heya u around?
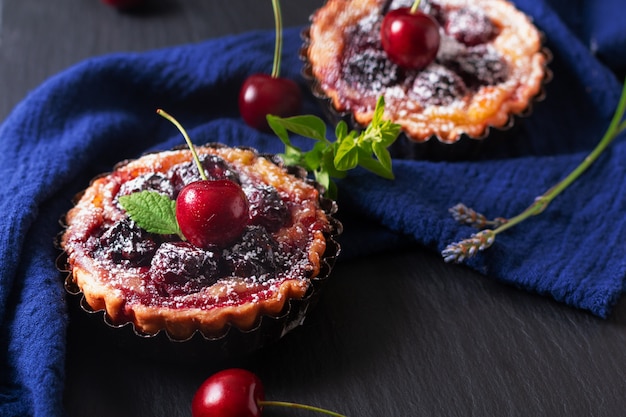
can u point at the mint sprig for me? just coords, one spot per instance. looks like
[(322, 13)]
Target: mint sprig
[(152, 211), (326, 159)]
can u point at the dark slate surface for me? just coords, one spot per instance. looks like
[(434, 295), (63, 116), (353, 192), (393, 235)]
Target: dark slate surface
[(399, 334)]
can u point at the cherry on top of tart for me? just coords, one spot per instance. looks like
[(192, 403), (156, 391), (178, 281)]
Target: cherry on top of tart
[(410, 37)]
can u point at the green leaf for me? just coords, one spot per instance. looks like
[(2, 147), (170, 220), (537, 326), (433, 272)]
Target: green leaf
[(328, 162), (341, 130), (389, 133), (308, 126), (293, 156), (347, 154), (368, 162), (383, 155), (377, 118), (313, 158), (152, 211), (323, 178), (279, 129)]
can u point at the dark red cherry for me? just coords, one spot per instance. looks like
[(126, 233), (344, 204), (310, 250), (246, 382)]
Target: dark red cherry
[(236, 392), (229, 393), (212, 213), (410, 39), (263, 94)]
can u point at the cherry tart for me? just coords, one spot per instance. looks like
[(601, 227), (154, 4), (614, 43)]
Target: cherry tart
[(489, 65), (161, 282)]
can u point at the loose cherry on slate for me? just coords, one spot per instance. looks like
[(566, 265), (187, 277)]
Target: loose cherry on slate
[(410, 37), (263, 94), (209, 212), (237, 393)]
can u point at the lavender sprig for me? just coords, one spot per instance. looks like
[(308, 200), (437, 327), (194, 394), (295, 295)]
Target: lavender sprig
[(466, 248), (469, 247), (465, 215)]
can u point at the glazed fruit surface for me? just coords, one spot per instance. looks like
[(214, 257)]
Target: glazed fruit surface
[(489, 65), (129, 271)]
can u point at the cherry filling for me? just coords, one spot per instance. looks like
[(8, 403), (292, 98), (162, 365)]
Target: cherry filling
[(179, 268), (215, 168), (365, 64), (153, 182), (169, 267), (267, 209), (465, 61), (437, 85), (470, 26), (128, 244), (255, 255)]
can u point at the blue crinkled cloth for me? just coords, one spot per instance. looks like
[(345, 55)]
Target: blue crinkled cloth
[(83, 120)]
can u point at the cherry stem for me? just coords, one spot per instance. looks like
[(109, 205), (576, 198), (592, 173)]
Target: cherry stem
[(300, 406), (415, 6), (164, 114), (278, 44)]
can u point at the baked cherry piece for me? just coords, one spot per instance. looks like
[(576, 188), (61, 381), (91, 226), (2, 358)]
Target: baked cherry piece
[(470, 26), (263, 94), (410, 38), (179, 268), (212, 213), (237, 393)]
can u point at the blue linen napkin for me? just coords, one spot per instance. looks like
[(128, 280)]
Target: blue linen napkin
[(80, 122)]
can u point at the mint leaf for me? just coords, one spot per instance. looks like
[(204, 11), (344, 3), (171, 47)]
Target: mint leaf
[(383, 155), (308, 126), (371, 164), (389, 132), (314, 158), (377, 118), (323, 178), (293, 156), (341, 130), (277, 125), (347, 154), (152, 211)]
